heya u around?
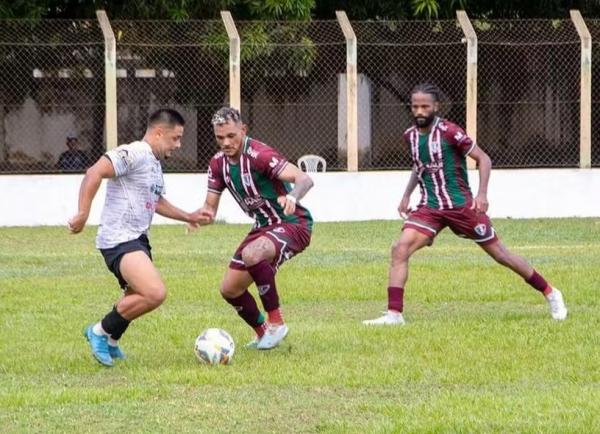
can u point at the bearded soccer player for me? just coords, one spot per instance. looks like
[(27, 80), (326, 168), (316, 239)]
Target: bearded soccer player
[(259, 178), (439, 149), (134, 192)]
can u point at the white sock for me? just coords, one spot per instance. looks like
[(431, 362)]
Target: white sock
[(98, 330), (112, 342)]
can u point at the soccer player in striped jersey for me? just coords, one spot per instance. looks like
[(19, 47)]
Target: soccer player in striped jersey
[(439, 149), (259, 178)]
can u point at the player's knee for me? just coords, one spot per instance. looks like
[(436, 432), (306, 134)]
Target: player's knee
[(228, 292), (156, 296), (400, 251)]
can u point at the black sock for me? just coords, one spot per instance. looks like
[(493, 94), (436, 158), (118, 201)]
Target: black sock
[(114, 324)]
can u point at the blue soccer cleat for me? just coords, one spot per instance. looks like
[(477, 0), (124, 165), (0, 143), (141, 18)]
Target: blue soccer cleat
[(116, 353), (99, 346)]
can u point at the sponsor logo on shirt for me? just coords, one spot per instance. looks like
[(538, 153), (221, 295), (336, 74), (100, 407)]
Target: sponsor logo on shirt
[(434, 166), (157, 189), (252, 152), (211, 178), (274, 162), (253, 203), (123, 154)]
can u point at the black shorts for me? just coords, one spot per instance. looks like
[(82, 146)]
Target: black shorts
[(113, 256)]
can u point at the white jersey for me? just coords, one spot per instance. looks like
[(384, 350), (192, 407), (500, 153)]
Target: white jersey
[(131, 196)]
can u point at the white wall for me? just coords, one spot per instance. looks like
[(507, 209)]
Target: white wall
[(31, 200)]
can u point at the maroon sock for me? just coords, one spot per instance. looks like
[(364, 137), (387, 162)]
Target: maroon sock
[(264, 277), (395, 298), (538, 282), (246, 308)]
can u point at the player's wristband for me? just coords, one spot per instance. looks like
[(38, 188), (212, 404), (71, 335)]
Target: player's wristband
[(290, 198)]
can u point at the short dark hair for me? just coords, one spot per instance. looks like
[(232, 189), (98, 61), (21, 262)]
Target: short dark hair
[(166, 116), (430, 89), (226, 114)]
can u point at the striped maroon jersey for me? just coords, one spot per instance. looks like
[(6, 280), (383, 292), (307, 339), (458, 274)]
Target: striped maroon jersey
[(440, 160), (254, 185)]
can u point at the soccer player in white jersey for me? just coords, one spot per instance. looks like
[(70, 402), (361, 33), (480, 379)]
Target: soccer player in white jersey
[(134, 191)]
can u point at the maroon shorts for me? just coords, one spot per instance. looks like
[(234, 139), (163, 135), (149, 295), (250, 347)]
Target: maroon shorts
[(464, 222), (289, 240)]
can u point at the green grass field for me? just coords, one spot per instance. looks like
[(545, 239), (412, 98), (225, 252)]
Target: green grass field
[(480, 352)]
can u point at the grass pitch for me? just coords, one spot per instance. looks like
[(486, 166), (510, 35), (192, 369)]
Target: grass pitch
[(480, 352)]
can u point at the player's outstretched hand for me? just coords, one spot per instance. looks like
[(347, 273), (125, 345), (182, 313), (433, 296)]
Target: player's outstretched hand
[(480, 203), (201, 217), (77, 222), (288, 203)]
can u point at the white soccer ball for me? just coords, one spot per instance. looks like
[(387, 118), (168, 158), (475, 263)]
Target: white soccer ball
[(214, 347)]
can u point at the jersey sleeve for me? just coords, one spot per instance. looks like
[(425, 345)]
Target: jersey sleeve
[(457, 137), (270, 162), (216, 183), (123, 159)]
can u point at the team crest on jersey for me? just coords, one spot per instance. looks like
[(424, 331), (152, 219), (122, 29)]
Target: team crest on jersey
[(247, 179), (480, 229)]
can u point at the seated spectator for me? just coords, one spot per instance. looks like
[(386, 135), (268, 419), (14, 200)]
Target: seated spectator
[(74, 159)]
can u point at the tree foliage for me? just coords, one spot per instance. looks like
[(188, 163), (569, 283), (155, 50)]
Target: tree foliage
[(295, 9)]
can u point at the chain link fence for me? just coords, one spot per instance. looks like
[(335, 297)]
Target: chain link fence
[(51, 88), (393, 57), (594, 28), (181, 65), (293, 94), (528, 92), (290, 86)]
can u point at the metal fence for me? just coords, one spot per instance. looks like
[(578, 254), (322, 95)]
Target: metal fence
[(393, 56), (182, 65), (51, 87), (594, 27), (293, 88), (290, 80), (528, 101)]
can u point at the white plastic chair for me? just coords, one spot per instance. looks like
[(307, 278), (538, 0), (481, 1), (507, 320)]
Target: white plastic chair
[(310, 163)]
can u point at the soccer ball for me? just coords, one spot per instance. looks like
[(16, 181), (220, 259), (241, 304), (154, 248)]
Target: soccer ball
[(214, 346)]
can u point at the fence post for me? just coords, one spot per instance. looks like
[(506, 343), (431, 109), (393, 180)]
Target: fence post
[(471, 38), (351, 91), (110, 79), (585, 105), (234, 61)]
